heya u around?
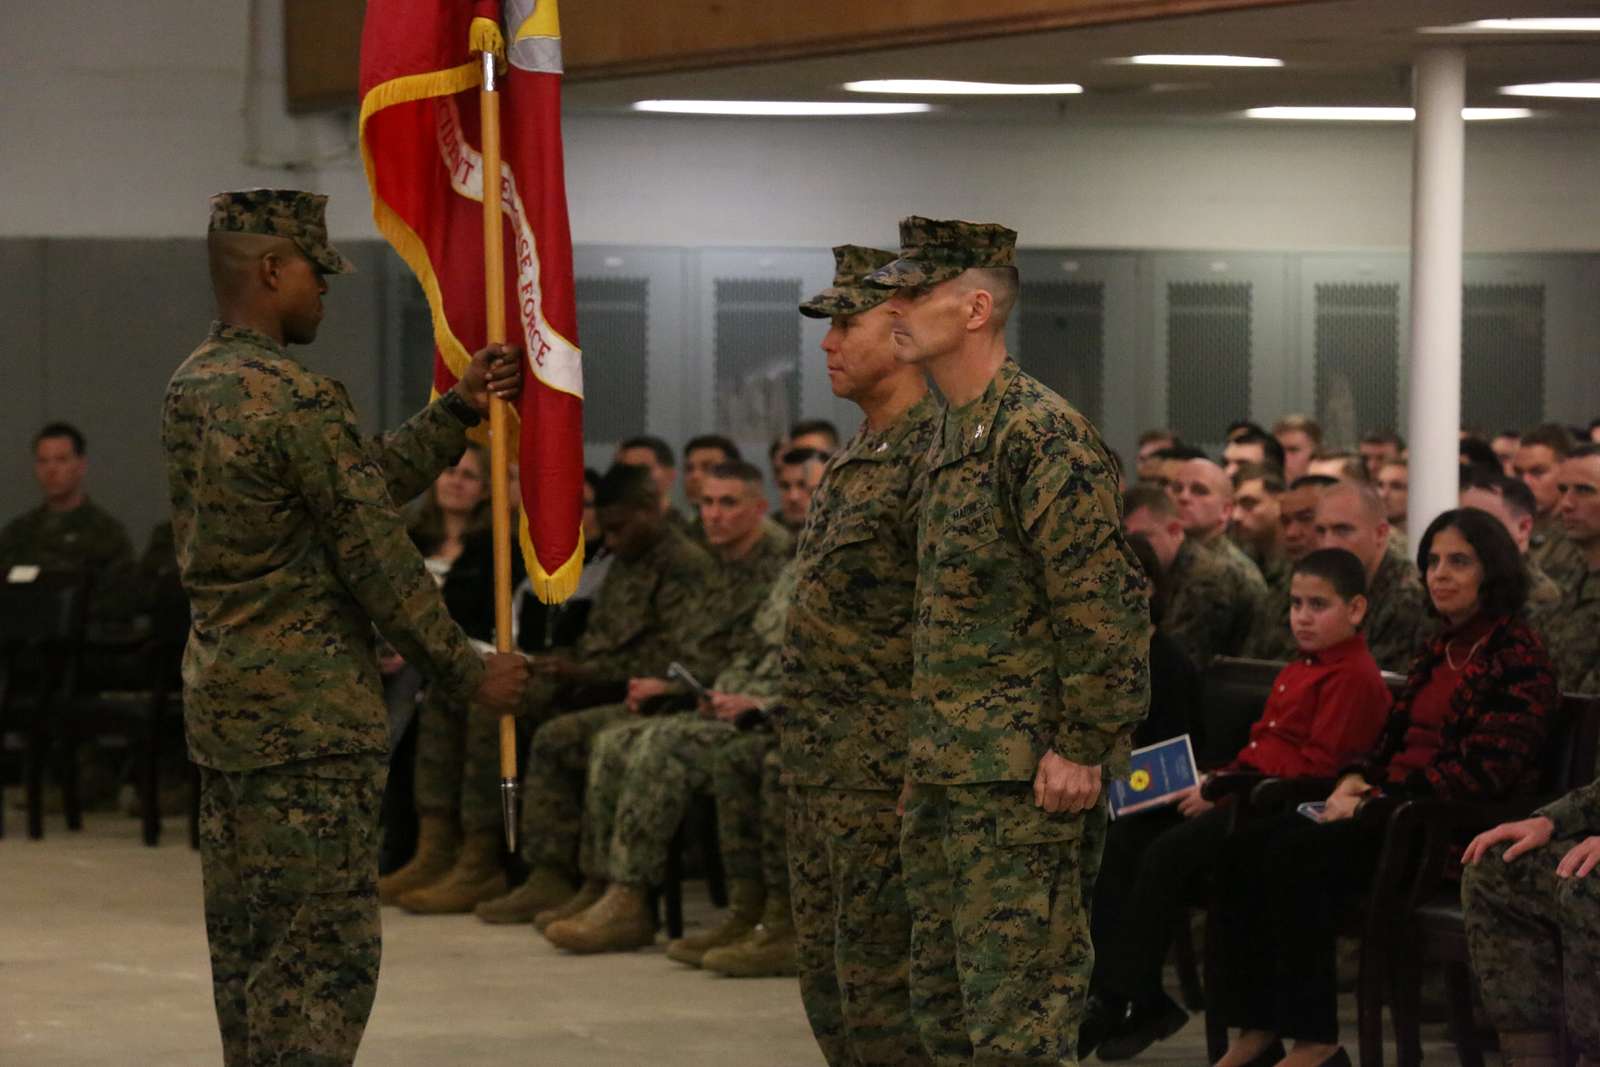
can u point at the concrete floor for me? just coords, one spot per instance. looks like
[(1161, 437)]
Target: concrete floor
[(103, 961)]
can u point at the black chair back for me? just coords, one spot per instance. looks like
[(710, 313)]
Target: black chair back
[(51, 607), (1234, 691)]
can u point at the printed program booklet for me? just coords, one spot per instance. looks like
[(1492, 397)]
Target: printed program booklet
[(1160, 773)]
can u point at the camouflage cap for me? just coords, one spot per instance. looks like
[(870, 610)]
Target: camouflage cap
[(281, 213), (936, 250), (850, 294)]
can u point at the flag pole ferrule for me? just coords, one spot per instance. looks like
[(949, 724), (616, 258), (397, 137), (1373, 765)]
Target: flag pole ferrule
[(508, 811), (489, 85)]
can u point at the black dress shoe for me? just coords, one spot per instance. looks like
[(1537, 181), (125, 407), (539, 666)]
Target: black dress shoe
[(1146, 1024), (1101, 1018)]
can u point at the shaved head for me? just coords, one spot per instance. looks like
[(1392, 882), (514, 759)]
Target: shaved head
[(234, 258), (1371, 503)]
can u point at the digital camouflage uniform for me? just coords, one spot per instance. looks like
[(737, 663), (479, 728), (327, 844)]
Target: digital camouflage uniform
[(87, 539), (847, 693), (1572, 635), (643, 772), (639, 607), (1031, 635), (707, 633), (290, 549), (1554, 552), (1535, 936), (1544, 599), (1216, 598), (1397, 623)]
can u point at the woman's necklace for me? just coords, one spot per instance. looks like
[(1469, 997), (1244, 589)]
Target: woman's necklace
[(1448, 658)]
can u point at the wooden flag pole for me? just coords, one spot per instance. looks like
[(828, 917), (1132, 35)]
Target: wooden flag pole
[(494, 294)]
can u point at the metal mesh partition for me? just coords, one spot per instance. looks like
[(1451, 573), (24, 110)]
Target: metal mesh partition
[(1357, 359), (1502, 356), (613, 328), (757, 356), (1063, 341), (1208, 357)]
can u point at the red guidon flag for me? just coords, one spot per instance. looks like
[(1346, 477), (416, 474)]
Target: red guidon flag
[(420, 141)]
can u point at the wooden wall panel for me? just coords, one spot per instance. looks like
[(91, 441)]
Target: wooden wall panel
[(613, 38), (610, 38)]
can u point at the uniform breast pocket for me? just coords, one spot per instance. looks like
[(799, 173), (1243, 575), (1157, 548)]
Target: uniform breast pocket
[(856, 532)]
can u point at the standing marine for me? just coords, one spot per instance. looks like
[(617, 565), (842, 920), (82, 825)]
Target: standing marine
[(291, 551)]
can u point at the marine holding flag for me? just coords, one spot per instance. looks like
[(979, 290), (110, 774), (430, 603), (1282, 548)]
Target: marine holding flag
[(422, 145)]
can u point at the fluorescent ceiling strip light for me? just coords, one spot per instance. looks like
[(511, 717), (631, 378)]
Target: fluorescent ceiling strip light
[(783, 108), (1201, 61), (1565, 90), (1377, 114), (942, 87), (1532, 25)]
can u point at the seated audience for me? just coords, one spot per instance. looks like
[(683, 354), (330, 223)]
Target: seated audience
[(818, 434), (799, 474), (1300, 436), (1325, 709), (1474, 451), (1469, 725), (68, 531), (1394, 489), (1255, 527), (700, 455), (1594, 431), (1345, 466), (1378, 448), (1252, 446), (1350, 516), (1214, 597), (1532, 913), (1504, 445), (1148, 466), (655, 456), (1508, 500), (1270, 636), (1538, 458), (1168, 463), (1573, 630), (1242, 428)]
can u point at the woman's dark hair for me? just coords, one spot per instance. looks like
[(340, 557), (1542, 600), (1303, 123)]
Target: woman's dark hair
[(427, 527), (1505, 577), (1152, 568)]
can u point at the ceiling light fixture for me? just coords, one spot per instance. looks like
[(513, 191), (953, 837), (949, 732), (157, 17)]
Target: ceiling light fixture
[(1532, 25), (1378, 114), (779, 108), (1564, 90), (1200, 61), (942, 87)]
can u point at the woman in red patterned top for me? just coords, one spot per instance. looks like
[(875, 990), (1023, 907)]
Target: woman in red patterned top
[(1469, 725)]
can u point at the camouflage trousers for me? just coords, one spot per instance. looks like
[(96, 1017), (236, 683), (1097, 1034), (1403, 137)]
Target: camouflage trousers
[(1000, 948), (458, 757), (641, 778), (289, 859), (1535, 943), (746, 775), (553, 785), (853, 926)]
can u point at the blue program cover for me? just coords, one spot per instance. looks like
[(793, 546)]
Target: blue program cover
[(1160, 772)]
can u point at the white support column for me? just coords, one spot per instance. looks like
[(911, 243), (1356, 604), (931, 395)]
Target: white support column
[(1439, 91)]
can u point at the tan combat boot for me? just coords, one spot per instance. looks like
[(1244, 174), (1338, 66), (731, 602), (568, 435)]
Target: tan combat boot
[(591, 891), (621, 919), (438, 843), (545, 888), (768, 952), (745, 897), (1531, 1049), (477, 875)]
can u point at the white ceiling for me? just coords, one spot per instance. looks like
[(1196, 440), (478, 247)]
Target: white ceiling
[(1338, 52)]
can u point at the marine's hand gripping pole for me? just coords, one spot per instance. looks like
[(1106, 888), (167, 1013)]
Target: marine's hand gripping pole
[(494, 295)]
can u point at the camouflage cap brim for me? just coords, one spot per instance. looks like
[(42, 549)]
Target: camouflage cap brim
[(910, 273), (329, 260), (844, 300)]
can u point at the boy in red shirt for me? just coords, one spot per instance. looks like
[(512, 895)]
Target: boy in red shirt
[(1326, 708)]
